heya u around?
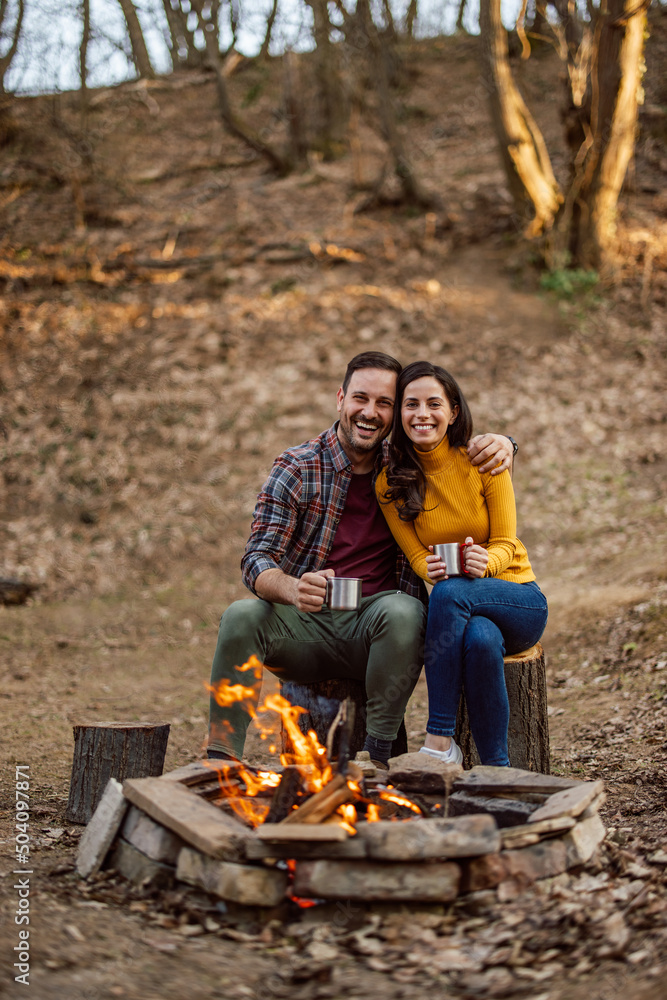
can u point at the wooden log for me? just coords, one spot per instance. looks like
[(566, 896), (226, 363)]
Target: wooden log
[(104, 750), (322, 701), (528, 734)]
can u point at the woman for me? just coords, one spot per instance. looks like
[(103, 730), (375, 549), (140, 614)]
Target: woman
[(430, 493)]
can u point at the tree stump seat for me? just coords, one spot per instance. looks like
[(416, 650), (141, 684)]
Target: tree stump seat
[(322, 701), (528, 734), (104, 750)]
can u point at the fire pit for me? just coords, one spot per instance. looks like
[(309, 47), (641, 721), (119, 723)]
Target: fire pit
[(321, 828)]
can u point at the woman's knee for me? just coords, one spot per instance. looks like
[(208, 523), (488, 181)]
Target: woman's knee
[(482, 635)]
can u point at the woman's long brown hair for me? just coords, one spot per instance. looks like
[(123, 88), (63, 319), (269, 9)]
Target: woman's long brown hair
[(406, 483)]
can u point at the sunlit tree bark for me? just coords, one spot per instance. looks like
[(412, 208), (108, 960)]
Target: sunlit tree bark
[(601, 162), (604, 60), (523, 150)]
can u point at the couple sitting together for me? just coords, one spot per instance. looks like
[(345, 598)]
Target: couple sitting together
[(348, 503)]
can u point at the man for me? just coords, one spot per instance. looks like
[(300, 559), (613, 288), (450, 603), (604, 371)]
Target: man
[(317, 516)]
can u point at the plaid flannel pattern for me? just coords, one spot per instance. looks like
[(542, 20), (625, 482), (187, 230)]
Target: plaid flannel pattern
[(298, 510)]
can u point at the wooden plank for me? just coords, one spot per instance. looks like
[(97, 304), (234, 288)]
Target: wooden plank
[(486, 780), (281, 832), (194, 819), (98, 836), (569, 801)]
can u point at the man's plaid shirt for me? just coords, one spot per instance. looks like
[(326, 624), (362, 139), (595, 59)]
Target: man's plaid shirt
[(298, 510)]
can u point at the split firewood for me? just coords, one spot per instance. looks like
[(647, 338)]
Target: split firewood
[(323, 803), (285, 795)]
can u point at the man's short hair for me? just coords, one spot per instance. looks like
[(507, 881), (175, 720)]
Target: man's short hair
[(371, 359)]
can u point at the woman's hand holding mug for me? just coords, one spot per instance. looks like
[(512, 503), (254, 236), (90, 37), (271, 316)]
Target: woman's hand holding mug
[(475, 558)]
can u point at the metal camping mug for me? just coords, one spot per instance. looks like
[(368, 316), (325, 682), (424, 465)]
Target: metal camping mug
[(343, 593), (451, 554)]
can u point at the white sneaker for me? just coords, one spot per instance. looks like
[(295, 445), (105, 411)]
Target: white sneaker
[(451, 756)]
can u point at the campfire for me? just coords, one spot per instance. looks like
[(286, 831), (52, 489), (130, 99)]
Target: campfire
[(324, 826), (313, 787)]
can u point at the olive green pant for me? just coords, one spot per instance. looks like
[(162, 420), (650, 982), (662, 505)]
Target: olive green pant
[(381, 643)]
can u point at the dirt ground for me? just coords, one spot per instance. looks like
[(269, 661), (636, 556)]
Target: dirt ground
[(154, 362)]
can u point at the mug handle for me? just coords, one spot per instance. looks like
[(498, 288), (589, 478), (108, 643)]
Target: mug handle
[(462, 547)]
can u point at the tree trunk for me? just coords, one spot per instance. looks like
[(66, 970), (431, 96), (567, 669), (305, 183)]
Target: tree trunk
[(264, 51), (6, 60), (83, 54), (328, 79), (322, 702), (413, 191), (410, 18), (459, 17), (111, 750), (526, 160), (231, 122), (183, 50), (140, 55), (528, 734), (601, 161), (294, 108)]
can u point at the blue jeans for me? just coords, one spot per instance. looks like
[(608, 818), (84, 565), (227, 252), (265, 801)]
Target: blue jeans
[(472, 624)]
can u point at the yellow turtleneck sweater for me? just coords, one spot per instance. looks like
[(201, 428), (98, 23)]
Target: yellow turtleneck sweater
[(460, 502)]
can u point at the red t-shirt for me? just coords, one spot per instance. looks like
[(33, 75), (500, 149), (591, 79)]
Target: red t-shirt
[(363, 545)]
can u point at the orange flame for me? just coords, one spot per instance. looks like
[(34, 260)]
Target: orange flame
[(400, 800)]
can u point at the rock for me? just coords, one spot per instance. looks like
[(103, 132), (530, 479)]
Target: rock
[(569, 801), (151, 838), (139, 869), (482, 873), (413, 840), (418, 772), (101, 830), (506, 812), (252, 886), (419, 881), (486, 780), (581, 841)]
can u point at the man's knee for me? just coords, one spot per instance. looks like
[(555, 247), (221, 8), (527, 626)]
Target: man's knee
[(402, 617), (243, 618)]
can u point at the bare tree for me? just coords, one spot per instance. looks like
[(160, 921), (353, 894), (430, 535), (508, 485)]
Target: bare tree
[(604, 62), (330, 90), (410, 18), (182, 46), (83, 52), (140, 55), (14, 32), (264, 51), (276, 160)]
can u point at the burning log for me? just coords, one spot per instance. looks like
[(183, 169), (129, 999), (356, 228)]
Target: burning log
[(321, 805), (285, 795)]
